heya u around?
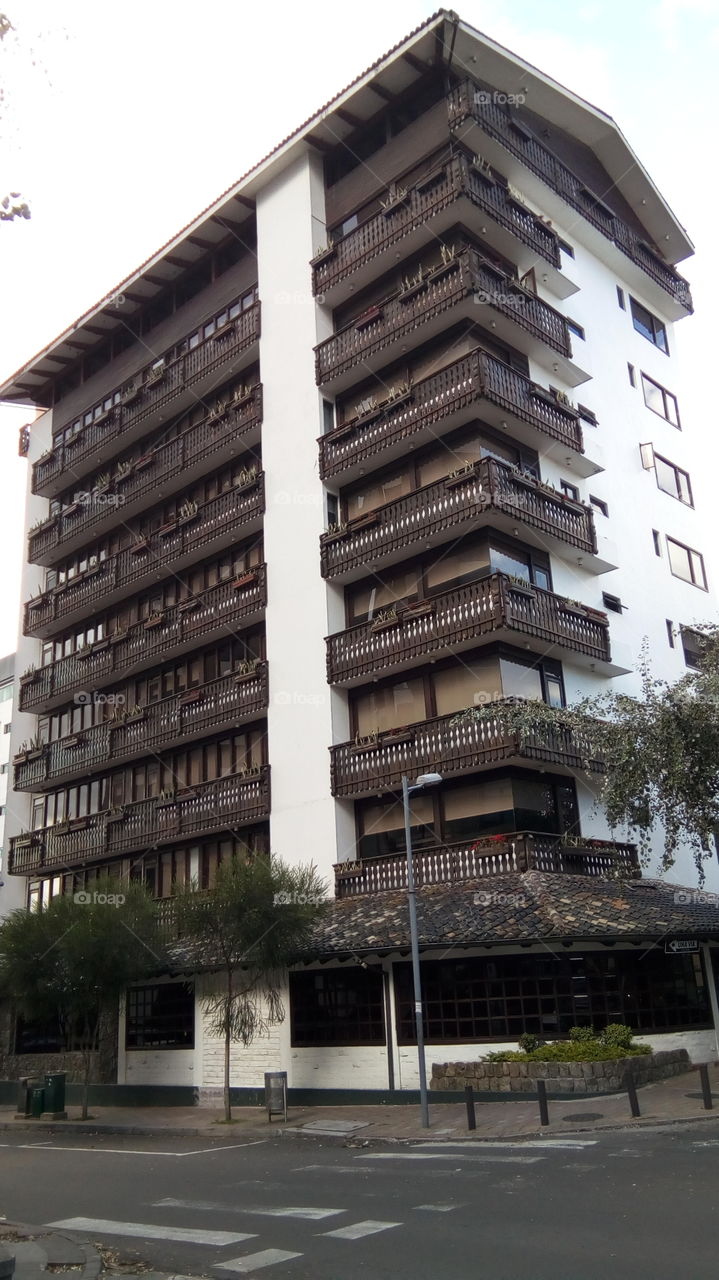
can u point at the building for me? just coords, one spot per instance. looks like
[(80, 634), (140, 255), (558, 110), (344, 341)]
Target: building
[(7, 674), (391, 431)]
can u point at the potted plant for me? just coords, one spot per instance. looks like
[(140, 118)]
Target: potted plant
[(130, 394), (245, 579), (324, 252), (154, 620), (247, 478), (396, 197), (116, 813), (30, 676), (139, 547), (384, 618), (156, 374), (246, 668), (123, 470), (165, 799), (187, 512), (467, 470)]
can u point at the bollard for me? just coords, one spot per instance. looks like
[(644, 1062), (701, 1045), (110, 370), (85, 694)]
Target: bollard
[(543, 1108), (469, 1099), (7, 1264), (706, 1087), (632, 1094)]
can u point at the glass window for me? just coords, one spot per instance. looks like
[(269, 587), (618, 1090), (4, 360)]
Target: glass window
[(649, 326), (686, 563), (337, 1007), (382, 826), (468, 684), (672, 480), (660, 401), (519, 681), (161, 1016), (390, 707)]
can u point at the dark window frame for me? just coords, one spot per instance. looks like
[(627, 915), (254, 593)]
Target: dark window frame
[(328, 1020), (692, 554), (666, 395), (174, 1029), (648, 325)]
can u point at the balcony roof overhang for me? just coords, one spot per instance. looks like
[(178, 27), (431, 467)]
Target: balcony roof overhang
[(442, 40)]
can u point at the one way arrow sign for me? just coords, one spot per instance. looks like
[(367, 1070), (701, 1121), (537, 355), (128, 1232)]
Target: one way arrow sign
[(683, 945)]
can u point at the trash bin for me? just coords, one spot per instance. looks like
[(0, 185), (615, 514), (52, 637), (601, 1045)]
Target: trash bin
[(23, 1095), (276, 1094), (55, 1091), (37, 1100)]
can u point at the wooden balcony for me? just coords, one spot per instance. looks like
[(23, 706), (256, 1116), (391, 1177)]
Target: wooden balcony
[(455, 191), (450, 745), (493, 121), (495, 607), (216, 524), (219, 704), (476, 384), (486, 493), (219, 438), (219, 611), (202, 810), (148, 401), (467, 287), (491, 856)]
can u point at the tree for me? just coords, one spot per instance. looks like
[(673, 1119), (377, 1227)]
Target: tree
[(12, 205), (659, 752), (73, 960), (250, 926)]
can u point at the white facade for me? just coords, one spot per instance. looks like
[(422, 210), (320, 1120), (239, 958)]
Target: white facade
[(6, 710)]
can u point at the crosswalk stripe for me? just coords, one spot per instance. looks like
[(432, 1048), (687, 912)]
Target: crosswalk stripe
[(552, 1144), (151, 1231), (474, 1156), (309, 1212), (356, 1230), (437, 1208), (255, 1261)]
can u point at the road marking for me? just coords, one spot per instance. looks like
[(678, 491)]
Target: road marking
[(302, 1211), (439, 1155), (335, 1168), (151, 1231), (356, 1230), (555, 1144), (255, 1261), (437, 1208), (128, 1151)]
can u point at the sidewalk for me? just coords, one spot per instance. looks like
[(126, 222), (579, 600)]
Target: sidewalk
[(664, 1102)]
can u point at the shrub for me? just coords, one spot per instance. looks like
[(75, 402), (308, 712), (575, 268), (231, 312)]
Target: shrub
[(570, 1051), (580, 1035), (616, 1034), (528, 1042)]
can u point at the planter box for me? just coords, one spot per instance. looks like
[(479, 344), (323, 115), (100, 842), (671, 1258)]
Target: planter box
[(607, 1076), (224, 331), (153, 622), (245, 580), (374, 313)]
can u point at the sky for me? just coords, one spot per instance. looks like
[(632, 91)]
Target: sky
[(121, 122)]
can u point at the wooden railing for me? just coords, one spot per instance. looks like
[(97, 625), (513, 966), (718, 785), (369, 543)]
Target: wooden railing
[(453, 179), (450, 745), (208, 356), (206, 709), (468, 102), (470, 380), (194, 811), (154, 557), (489, 856), (165, 461), (221, 610), (402, 314), (457, 618), (461, 502)]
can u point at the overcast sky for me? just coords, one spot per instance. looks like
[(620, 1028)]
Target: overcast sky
[(121, 122)]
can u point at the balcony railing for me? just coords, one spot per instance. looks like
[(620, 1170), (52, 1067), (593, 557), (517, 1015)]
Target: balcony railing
[(475, 378), (453, 180), (489, 856), (218, 522), (409, 633), (462, 503), (193, 811), (451, 745), (467, 276), (207, 439), (224, 610), (465, 102), (143, 399), (226, 702)]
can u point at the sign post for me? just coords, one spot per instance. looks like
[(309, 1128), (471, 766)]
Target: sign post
[(276, 1094)]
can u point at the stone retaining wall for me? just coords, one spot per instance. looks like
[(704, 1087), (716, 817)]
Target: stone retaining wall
[(561, 1077)]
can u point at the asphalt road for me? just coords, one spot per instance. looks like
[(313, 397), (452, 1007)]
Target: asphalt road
[(639, 1205)]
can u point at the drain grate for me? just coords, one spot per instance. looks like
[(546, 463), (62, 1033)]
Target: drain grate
[(585, 1115)]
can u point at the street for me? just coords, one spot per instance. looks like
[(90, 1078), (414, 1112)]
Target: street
[(639, 1204)]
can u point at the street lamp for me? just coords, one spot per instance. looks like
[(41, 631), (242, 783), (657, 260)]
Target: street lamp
[(424, 780)]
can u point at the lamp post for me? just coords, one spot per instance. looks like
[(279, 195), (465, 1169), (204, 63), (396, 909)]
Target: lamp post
[(425, 780)]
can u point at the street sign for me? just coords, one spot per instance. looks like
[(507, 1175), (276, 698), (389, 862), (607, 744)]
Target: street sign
[(681, 946)]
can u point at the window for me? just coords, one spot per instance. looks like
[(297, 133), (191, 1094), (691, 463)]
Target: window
[(2, 810), (569, 490), (337, 1007), (692, 647), (161, 1016), (649, 326), (566, 248), (3, 768), (620, 298), (611, 602), (6, 728), (672, 480), (657, 542), (632, 378), (328, 416), (501, 997), (686, 564), (660, 401), (576, 329), (599, 505)]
